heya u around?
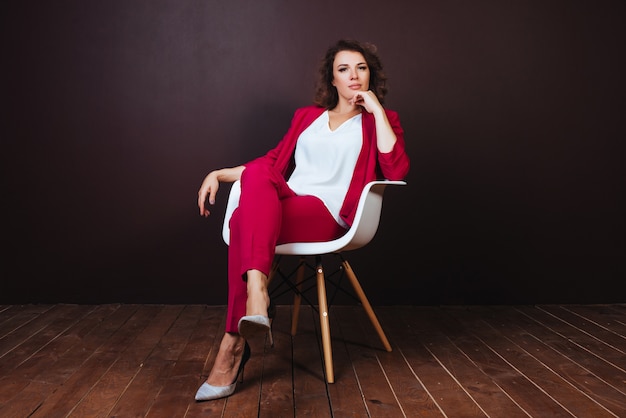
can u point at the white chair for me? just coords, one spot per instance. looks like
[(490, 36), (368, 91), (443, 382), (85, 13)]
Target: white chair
[(360, 234)]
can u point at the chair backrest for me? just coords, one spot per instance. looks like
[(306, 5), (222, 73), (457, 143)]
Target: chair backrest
[(363, 229)]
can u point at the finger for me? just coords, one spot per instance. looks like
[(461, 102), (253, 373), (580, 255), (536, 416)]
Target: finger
[(211, 196), (202, 198), (201, 205)]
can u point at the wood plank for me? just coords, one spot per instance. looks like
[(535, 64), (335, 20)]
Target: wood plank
[(345, 394), (82, 350), (450, 397), (48, 357), (596, 347), (515, 384), (487, 394), (309, 387), (215, 407), (132, 360), (34, 343), (23, 327), (380, 399), (16, 316), (616, 340), (604, 315), (245, 401), (277, 388), (413, 397), (184, 372), (39, 388), (508, 321), (27, 400), (574, 351), (180, 387), (66, 397), (148, 360), (572, 400)]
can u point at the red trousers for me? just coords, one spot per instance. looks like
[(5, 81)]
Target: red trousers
[(269, 213)]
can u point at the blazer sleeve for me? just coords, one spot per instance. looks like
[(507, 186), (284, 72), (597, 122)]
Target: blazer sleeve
[(395, 164)]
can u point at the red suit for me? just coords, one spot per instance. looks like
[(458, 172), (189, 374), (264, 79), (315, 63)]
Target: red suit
[(270, 213)]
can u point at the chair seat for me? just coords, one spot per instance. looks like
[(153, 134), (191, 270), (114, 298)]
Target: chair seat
[(364, 227)]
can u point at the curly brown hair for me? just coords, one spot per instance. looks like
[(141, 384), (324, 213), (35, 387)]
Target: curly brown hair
[(326, 94)]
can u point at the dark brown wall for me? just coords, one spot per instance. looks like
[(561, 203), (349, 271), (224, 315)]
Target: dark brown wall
[(113, 112)]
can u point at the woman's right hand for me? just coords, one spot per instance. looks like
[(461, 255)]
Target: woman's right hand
[(207, 193), (211, 183)]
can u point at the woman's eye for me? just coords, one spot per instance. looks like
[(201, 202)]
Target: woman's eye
[(341, 70), (363, 68)]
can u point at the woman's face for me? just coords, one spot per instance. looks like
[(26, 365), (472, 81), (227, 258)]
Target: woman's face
[(350, 73)]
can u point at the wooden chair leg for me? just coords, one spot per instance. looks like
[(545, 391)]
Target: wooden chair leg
[(324, 322), (297, 298), (366, 304)]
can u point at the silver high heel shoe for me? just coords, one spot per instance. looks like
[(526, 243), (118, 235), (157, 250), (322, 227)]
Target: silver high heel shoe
[(208, 392)]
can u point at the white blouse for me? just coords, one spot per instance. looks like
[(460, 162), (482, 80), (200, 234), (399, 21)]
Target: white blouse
[(325, 161)]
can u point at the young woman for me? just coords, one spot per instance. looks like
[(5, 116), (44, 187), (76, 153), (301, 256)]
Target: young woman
[(305, 189)]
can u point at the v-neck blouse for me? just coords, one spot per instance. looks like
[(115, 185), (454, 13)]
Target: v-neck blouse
[(325, 161)]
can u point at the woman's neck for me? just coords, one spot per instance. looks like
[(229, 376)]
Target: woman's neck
[(345, 109)]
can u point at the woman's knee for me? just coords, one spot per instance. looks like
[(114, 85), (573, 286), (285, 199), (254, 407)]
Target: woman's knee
[(258, 172)]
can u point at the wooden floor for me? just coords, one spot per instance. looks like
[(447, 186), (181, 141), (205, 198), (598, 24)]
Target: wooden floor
[(148, 360)]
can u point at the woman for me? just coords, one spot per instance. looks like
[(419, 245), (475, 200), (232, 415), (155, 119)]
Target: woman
[(305, 189)]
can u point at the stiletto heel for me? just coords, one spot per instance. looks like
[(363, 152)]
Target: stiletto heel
[(271, 314), (208, 392)]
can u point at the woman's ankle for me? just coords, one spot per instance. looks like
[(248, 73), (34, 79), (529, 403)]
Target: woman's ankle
[(227, 360), (257, 303), (258, 296)]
